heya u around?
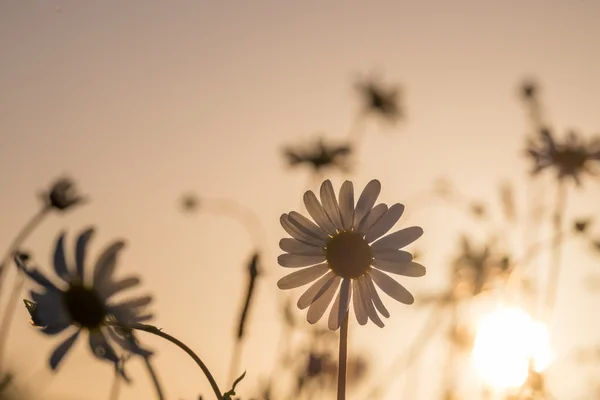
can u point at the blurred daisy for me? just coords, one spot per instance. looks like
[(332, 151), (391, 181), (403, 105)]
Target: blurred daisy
[(345, 249), (62, 195), (75, 304), (379, 100), (570, 158), (320, 156)]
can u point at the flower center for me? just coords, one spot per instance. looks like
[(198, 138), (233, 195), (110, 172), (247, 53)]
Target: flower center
[(84, 306), (348, 254)]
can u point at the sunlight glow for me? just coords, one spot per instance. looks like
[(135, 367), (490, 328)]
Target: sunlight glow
[(506, 341)]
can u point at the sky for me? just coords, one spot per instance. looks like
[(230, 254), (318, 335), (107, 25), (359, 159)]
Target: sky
[(141, 101)]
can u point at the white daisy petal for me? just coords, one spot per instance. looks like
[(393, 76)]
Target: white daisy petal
[(398, 239), (316, 290), (346, 200), (385, 223), (330, 204), (366, 201), (62, 349), (60, 261), (302, 277), (316, 211), (410, 268), (339, 311), (296, 233), (298, 260), (368, 304), (372, 216), (393, 255), (391, 287), (118, 286), (136, 302), (306, 226), (318, 307), (357, 301), (294, 246), (375, 298), (106, 263), (80, 250)]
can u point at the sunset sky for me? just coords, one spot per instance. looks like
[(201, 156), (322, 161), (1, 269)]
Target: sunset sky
[(141, 101)]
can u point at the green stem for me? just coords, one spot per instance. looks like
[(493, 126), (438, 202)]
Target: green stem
[(341, 388), (11, 305), (155, 331), (154, 377)]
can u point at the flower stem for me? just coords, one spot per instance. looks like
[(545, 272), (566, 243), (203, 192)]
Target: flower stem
[(11, 304), (18, 240), (115, 389), (341, 389), (155, 380), (555, 262), (155, 331)]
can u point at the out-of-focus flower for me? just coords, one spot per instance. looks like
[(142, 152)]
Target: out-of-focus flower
[(190, 202), (62, 195), (475, 269), (379, 100), (581, 225), (342, 250), (320, 156), (75, 303), (570, 158), (529, 90)]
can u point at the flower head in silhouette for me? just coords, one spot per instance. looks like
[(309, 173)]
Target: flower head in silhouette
[(570, 158), (345, 249), (475, 269), (320, 156), (75, 303), (62, 195), (380, 101)]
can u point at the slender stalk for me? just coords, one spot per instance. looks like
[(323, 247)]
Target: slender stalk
[(405, 360), (342, 360), (154, 377), (555, 261), (18, 240), (115, 389), (10, 309), (155, 331), (236, 356)]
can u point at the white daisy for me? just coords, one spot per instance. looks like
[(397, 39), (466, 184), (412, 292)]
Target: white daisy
[(74, 303), (345, 249)]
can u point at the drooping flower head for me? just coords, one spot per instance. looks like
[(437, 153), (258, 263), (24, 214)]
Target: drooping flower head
[(345, 250), (570, 158), (78, 304), (62, 195)]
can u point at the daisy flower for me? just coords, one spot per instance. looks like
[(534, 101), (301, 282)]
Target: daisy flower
[(62, 195), (571, 158), (74, 303), (344, 249)]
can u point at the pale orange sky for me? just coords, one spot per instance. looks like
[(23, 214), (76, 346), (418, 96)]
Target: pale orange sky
[(143, 100)]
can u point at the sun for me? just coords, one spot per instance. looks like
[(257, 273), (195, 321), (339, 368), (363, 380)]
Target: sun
[(507, 340)]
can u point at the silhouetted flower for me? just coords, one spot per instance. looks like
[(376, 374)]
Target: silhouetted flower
[(379, 100), (62, 195), (570, 159), (581, 225), (320, 156), (529, 90), (190, 202), (474, 269), (341, 244), (74, 303)]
